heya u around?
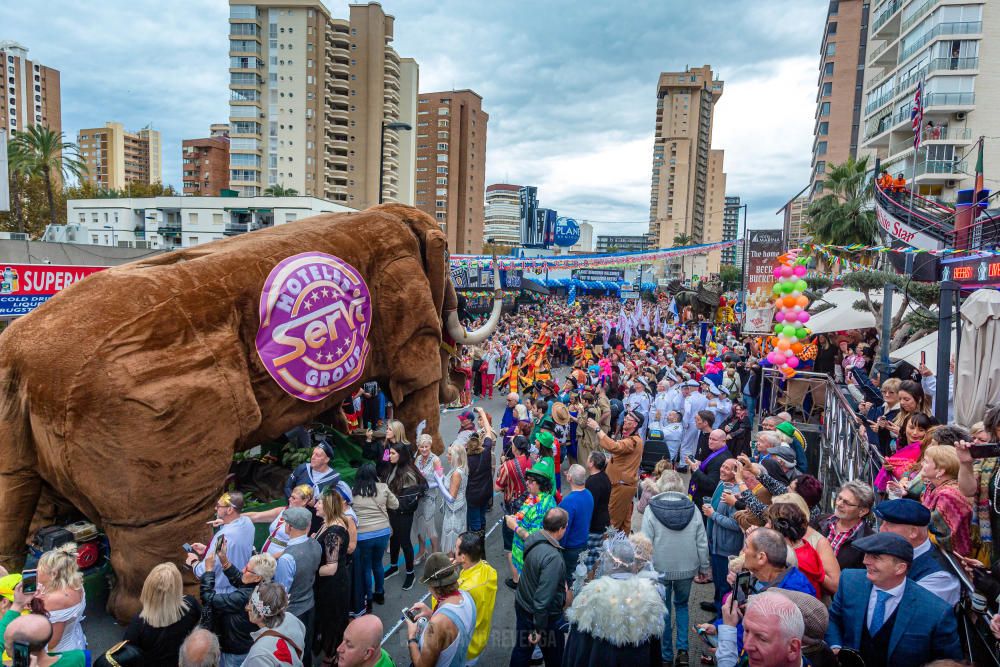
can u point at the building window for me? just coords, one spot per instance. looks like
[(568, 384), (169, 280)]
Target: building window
[(834, 7), (831, 29), (821, 167), (824, 129), (827, 89), (442, 147), (828, 69), (440, 203), (831, 48), (824, 109), (443, 111), (821, 148), (442, 157)]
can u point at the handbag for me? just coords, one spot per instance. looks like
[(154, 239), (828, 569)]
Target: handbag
[(409, 499)]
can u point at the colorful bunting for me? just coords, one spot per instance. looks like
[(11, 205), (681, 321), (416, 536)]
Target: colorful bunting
[(536, 264)]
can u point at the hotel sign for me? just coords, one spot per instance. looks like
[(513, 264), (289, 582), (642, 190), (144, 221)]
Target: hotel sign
[(905, 233)]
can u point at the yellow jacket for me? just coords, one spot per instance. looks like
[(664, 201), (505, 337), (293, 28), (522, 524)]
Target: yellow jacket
[(480, 582)]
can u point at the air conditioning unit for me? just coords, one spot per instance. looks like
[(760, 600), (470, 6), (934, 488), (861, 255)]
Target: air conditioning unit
[(959, 115), (950, 184)]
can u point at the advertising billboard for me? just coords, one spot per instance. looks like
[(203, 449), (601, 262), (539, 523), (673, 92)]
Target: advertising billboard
[(530, 235), (763, 249), (24, 287), (481, 278)]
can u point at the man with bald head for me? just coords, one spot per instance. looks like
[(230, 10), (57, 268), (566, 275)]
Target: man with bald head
[(705, 474), (200, 649), (362, 644), (34, 630)]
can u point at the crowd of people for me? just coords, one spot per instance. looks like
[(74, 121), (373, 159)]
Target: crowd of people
[(634, 466)]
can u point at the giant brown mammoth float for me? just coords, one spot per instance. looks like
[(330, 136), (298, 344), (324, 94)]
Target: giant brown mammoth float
[(126, 395)]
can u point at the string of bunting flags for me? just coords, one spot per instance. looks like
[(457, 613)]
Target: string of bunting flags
[(587, 261), (858, 248)]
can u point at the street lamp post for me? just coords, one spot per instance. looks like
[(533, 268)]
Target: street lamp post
[(395, 125), (114, 236)]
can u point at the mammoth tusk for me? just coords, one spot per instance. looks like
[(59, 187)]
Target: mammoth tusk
[(458, 332)]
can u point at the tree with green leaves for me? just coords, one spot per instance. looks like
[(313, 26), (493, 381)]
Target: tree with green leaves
[(907, 322), (845, 215), (18, 179), (731, 276), (44, 152), (280, 191)]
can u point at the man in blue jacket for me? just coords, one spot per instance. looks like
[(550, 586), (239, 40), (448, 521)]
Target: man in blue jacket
[(886, 617)]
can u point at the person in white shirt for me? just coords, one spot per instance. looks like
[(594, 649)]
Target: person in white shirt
[(694, 401), (638, 402), (773, 628)]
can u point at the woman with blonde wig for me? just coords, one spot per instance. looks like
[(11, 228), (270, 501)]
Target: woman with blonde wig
[(60, 587), (167, 617)]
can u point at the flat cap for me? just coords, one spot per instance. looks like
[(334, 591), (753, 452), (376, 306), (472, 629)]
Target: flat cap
[(889, 544), (903, 511)]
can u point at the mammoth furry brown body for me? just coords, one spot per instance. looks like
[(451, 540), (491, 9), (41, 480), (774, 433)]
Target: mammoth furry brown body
[(127, 394)]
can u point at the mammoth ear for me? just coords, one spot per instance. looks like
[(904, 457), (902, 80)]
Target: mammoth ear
[(434, 248)]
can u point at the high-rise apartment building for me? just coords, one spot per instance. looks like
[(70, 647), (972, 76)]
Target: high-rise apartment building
[(503, 215), (116, 157), (839, 88), (795, 222), (310, 96), (953, 48), (205, 163), (683, 191), (608, 243), (31, 92), (451, 165), (731, 228)]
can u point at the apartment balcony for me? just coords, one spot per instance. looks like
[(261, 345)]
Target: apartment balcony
[(952, 101), (940, 171), (169, 228), (336, 142), (340, 68), (886, 55), (941, 30), (339, 114), (918, 15), (392, 67), (887, 20), (234, 228)]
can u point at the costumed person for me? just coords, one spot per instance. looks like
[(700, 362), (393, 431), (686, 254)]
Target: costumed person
[(623, 470), (616, 619), (529, 518)]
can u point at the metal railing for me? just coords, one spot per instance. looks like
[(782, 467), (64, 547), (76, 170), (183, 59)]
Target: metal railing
[(844, 451), (890, 9), (941, 167), (950, 28)]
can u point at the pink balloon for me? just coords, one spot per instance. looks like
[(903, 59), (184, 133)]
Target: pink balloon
[(793, 362), (799, 270), (786, 271), (804, 317), (770, 357), (779, 358), (777, 272)]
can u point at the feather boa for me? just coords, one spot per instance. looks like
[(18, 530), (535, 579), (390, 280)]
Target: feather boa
[(621, 611)]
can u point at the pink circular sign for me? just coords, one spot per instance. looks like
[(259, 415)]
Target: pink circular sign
[(315, 314)]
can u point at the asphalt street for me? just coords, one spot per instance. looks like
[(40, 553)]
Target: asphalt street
[(103, 632)]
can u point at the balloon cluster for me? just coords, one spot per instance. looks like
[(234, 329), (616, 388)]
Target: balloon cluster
[(790, 315)]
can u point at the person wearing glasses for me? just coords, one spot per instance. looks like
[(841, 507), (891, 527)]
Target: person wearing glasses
[(849, 523), (236, 530)]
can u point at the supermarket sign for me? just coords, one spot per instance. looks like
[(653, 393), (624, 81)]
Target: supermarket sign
[(24, 287)]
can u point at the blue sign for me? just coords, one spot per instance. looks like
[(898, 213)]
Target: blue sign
[(21, 304), (567, 232), (740, 308)]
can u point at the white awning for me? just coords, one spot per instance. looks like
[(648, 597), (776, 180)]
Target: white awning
[(842, 316), (910, 352)]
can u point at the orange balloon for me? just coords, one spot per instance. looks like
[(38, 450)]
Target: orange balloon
[(783, 345), (797, 348), (788, 301), (789, 372), (802, 301)]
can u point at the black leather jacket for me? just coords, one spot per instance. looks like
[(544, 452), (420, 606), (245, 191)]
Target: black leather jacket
[(228, 611)]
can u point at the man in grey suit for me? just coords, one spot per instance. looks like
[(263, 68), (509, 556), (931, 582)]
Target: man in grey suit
[(301, 559), (886, 617)]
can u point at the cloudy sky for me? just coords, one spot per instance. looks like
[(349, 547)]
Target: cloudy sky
[(570, 87)]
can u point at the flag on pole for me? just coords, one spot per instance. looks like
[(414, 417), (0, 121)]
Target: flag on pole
[(917, 114), (979, 173)]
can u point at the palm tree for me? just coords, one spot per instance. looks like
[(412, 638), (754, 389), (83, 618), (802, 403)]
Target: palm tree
[(280, 191), (680, 240), (43, 151), (19, 171), (845, 216)]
